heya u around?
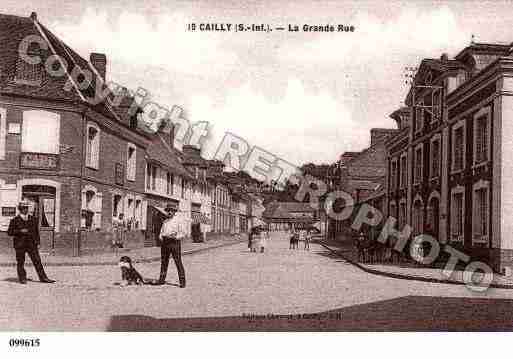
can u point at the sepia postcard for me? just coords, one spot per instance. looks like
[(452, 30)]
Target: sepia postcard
[(255, 166)]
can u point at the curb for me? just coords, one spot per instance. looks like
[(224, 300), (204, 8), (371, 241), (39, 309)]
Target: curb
[(404, 276), (110, 262)]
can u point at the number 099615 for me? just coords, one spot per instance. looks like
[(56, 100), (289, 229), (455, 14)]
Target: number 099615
[(20, 342)]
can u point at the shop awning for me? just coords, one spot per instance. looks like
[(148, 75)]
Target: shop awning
[(160, 209), (198, 217)]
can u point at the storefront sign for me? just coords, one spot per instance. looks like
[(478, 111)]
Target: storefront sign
[(43, 161), (119, 174)]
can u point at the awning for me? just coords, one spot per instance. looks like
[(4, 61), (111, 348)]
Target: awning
[(198, 217), (160, 209)]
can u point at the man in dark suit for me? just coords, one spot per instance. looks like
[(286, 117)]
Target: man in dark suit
[(25, 232)]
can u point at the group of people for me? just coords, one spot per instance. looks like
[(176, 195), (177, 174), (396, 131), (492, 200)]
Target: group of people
[(257, 239), (300, 235), (24, 228)]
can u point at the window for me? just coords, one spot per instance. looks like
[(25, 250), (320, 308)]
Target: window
[(138, 214), (457, 215), (461, 78), (437, 108), (458, 148), (117, 205), (28, 74), (393, 174), (481, 212), (435, 158), (418, 215), (93, 146), (404, 172), (481, 136), (151, 177), (91, 208), (417, 177), (41, 132), (131, 162), (170, 179), (393, 210), (3, 133), (130, 211)]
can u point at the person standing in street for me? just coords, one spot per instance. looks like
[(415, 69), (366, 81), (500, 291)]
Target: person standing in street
[(25, 232), (171, 235), (308, 237)]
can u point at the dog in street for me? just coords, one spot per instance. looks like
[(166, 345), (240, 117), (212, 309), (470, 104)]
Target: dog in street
[(129, 275)]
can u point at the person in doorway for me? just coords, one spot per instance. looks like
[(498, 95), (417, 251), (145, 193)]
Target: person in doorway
[(119, 230), (24, 229), (171, 235)]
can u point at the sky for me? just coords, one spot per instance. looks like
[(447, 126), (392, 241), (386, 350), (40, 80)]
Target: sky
[(305, 97)]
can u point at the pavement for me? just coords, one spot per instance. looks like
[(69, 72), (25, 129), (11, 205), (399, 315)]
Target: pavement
[(140, 255), (344, 250)]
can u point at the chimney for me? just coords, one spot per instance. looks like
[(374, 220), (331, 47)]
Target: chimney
[(99, 61), (33, 16), (444, 57), (167, 130)]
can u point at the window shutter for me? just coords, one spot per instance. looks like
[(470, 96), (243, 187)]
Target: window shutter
[(97, 219), (144, 208), (84, 200), (484, 140)]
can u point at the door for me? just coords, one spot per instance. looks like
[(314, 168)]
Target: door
[(43, 208)]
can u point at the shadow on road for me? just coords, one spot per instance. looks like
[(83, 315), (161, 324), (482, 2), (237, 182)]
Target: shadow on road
[(412, 313)]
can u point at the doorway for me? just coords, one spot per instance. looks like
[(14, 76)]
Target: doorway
[(42, 207)]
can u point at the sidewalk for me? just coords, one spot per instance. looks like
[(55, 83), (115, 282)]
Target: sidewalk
[(432, 275), (141, 255)]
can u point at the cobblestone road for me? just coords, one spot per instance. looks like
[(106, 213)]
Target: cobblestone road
[(223, 282)]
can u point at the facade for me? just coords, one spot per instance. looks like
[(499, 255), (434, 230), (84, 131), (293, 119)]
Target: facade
[(457, 152), (166, 181), (201, 189), (220, 198), (362, 174), (282, 215), (77, 163)]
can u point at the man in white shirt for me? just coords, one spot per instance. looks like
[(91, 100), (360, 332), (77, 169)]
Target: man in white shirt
[(171, 235)]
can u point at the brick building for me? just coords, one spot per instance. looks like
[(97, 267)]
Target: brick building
[(456, 145), (362, 175), (77, 161)]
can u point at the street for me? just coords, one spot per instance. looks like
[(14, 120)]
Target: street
[(229, 288)]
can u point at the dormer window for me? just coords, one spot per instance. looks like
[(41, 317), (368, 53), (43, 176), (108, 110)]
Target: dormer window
[(28, 74), (429, 78), (461, 78)]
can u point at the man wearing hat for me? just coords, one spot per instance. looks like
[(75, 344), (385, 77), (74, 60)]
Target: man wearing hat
[(170, 237), (25, 232)]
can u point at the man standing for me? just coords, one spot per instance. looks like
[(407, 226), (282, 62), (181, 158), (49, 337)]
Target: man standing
[(25, 232), (171, 235)]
